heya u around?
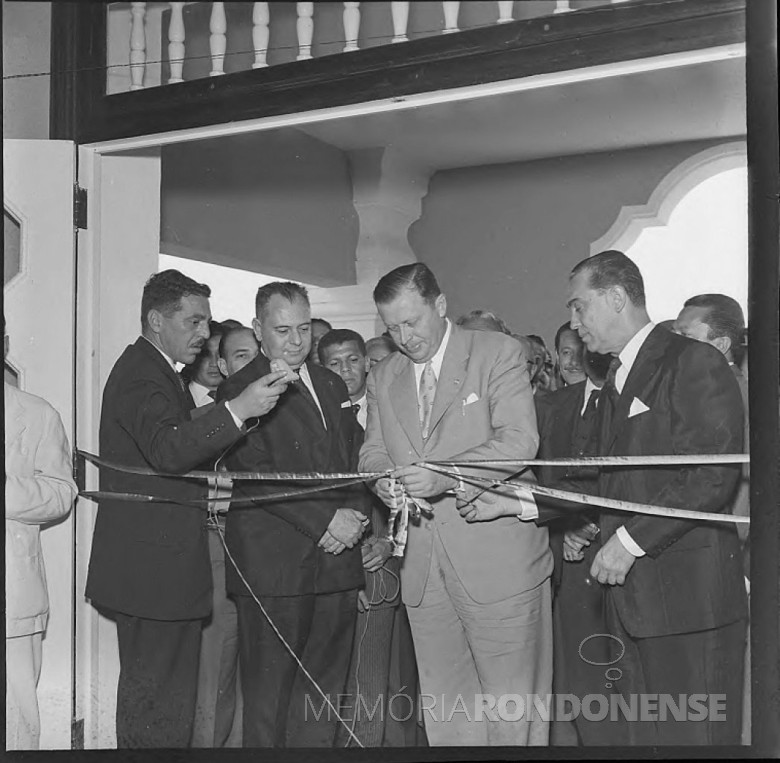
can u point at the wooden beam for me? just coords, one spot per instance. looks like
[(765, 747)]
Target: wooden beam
[(584, 38)]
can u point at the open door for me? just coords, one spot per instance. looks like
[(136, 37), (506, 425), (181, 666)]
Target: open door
[(39, 294)]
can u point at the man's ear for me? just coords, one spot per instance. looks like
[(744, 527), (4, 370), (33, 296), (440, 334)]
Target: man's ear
[(617, 297), (222, 366), (723, 343), (258, 331), (154, 319), (441, 305)]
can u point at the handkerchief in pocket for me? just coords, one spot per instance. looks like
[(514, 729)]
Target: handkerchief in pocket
[(472, 398), (637, 407), (346, 404)]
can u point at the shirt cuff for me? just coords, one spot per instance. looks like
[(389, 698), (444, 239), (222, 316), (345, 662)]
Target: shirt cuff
[(460, 487), (628, 542), (238, 421), (529, 510)]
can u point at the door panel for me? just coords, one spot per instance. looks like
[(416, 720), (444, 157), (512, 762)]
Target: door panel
[(39, 298)]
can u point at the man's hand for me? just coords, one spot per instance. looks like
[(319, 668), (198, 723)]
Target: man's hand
[(612, 563), (388, 491), (259, 397), (376, 553), (498, 501), (329, 544), (346, 527), (363, 604), (424, 483), (574, 541)]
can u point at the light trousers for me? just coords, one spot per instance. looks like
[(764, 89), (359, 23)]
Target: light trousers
[(22, 671), (466, 650)]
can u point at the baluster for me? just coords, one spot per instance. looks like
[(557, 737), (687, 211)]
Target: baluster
[(351, 25), (450, 16), (400, 13), (562, 6), (176, 43), (260, 34), (505, 11), (305, 27), (137, 46), (218, 39)]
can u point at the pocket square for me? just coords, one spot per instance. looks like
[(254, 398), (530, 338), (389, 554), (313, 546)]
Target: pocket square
[(346, 404), (637, 407), (472, 398)]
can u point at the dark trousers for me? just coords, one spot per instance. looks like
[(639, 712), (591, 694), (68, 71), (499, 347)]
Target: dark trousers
[(580, 654), (709, 662), (282, 708), (365, 706), (158, 680)]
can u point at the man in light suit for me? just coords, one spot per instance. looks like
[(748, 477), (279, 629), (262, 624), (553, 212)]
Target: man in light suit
[(478, 595), (39, 488)]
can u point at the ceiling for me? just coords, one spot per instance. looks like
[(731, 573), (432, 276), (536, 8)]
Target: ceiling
[(692, 102)]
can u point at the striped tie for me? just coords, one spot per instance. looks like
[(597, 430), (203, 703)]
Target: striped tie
[(426, 396)]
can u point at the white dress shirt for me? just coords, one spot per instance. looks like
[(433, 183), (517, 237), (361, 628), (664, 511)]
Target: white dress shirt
[(627, 358), (436, 360), (362, 414), (303, 372), (200, 394)]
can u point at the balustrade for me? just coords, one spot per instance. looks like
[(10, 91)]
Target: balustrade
[(143, 16)]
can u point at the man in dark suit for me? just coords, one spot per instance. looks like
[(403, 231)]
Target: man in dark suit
[(567, 420), (298, 555), (675, 594), (150, 561)]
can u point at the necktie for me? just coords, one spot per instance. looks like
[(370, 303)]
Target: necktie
[(426, 395), (212, 393), (356, 408), (590, 408), (308, 397), (610, 389)]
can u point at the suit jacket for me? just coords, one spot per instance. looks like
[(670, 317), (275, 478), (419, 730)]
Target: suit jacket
[(274, 543), (559, 415), (691, 576), (151, 559), (39, 488), (741, 503), (483, 409)]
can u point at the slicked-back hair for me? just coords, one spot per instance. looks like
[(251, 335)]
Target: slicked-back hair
[(484, 315), (164, 291), (724, 317), (561, 331), (340, 336), (286, 289), (417, 277), (613, 268), (232, 332)]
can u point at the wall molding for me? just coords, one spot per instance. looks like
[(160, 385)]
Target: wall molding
[(633, 219)]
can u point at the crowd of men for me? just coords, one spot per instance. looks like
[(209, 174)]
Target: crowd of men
[(270, 612)]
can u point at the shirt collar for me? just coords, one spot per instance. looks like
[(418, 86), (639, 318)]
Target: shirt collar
[(438, 358), (200, 394), (628, 354), (168, 359), (590, 387)]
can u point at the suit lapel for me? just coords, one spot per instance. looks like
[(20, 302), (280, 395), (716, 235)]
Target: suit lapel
[(453, 372), (403, 395), (146, 347), (645, 366)]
